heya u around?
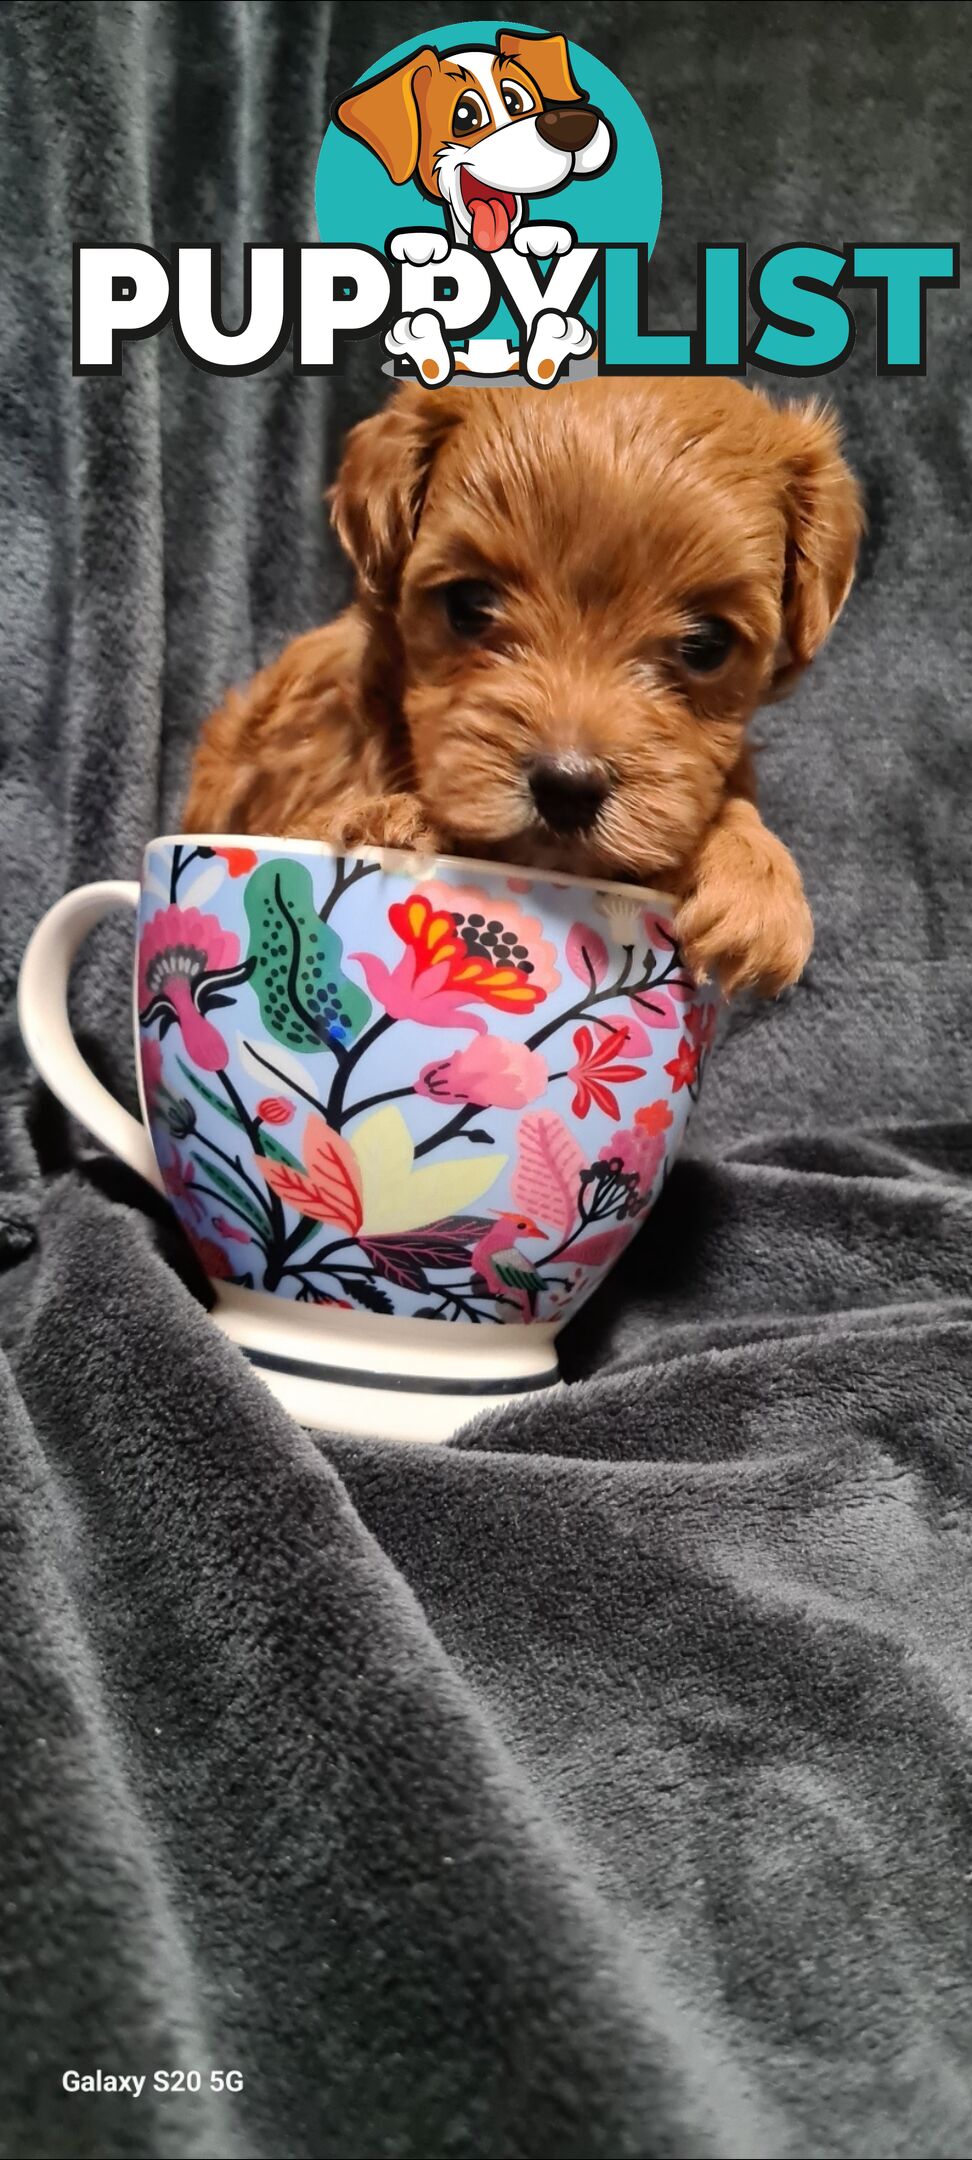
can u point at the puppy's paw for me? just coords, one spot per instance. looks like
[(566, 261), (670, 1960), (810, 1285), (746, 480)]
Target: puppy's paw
[(420, 338), (391, 821), (745, 922), (555, 341), (543, 240), (418, 248)]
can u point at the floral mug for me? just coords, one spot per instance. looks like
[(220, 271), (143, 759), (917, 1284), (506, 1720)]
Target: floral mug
[(408, 1113)]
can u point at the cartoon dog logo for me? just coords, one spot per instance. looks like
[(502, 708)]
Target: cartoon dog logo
[(479, 131)]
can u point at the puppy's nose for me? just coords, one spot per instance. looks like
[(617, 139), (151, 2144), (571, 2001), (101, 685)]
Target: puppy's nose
[(567, 127), (568, 792)]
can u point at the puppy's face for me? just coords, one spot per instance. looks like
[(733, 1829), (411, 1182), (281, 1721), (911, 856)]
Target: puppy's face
[(589, 590), (478, 130), (491, 142)]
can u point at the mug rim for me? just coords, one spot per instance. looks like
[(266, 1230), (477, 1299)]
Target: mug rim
[(399, 860)]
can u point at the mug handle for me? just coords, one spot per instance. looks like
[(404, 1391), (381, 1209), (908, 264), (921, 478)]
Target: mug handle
[(42, 1010)]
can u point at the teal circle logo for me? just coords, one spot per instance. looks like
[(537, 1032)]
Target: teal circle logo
[(518, 156)]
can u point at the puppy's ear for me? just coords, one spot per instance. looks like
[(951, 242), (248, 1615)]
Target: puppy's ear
[(384, 114), (377, 498), (825, 520), (545, 58)]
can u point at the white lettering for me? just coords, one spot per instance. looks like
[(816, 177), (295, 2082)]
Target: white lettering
[(343, 290), (104, 2081), (423, 285), (563, 287), (264, 328), (120, 294)]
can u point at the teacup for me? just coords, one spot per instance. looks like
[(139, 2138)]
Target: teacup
[(408, 1112)]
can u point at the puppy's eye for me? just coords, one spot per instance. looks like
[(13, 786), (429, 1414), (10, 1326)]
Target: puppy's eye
[(470, 114), (470, 606), (707, 645), (516, 99)]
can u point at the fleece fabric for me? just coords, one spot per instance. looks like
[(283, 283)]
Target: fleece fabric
[(602, 1782)]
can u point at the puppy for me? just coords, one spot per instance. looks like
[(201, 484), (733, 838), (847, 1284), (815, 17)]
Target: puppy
[(480, 129), (569, 604)]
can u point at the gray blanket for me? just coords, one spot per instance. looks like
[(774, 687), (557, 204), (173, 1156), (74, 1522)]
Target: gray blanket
[(601, 1784)]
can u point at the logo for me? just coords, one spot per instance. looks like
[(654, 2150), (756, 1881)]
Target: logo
[(495, 147), (488, 201)]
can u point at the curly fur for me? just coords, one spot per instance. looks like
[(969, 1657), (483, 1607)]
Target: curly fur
[(608, 516)]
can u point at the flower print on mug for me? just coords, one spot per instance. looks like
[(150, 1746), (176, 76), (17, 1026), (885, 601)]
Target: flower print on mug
[(185, 960)]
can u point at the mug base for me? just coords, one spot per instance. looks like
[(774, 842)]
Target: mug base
[(384, 1381)]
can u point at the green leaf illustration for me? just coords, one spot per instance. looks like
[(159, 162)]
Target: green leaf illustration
[(217, 1102), (243, 1201), (275, 1151), (305, 998)]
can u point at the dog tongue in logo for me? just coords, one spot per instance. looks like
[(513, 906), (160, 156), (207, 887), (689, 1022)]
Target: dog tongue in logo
[(492, 211), (491, 224)]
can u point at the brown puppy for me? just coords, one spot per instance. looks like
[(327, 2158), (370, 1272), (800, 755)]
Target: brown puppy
[(569, 604)]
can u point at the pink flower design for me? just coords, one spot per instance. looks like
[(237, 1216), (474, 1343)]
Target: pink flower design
[(151, 1050), (623, 1148), (598, 1069), (658, 1008), (275, 1109), (684, 1066), (586, 954), (631, 1039), (231, 1230), (438, 976), (179, 1178), (636, 1153), (495, 929), (184, 960), (492, 1074), (660, 932), (655, 1117)]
